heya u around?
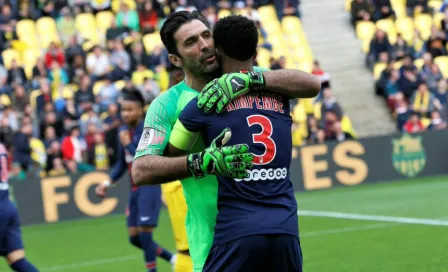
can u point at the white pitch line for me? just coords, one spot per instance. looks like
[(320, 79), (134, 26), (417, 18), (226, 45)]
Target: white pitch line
[(91, 263), (347, 229), (379, 218)]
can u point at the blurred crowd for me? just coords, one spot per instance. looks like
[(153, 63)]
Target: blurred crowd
[(59, 109), (407, 52)]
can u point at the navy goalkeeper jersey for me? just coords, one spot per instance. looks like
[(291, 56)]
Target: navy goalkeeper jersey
[(263, 203)]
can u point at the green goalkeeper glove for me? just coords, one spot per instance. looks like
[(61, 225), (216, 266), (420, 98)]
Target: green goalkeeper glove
[(219, 92), (220, 160)]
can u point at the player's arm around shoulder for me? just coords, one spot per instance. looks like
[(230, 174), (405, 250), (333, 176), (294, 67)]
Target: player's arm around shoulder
[(150, 167), (292, 83)]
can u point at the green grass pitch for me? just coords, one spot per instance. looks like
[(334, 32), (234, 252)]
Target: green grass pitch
[(329, 244)]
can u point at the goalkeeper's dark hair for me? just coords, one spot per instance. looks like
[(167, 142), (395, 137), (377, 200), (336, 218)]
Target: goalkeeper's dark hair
[(237, 37), (173, 23), (133, 95)]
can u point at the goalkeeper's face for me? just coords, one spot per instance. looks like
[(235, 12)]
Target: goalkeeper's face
[(196, 49)]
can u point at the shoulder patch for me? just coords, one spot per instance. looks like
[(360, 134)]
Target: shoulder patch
[(146, 138)]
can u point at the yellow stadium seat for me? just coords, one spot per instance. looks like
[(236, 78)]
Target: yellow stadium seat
[(46, 25), (224, 13), (33, 95), (264, 57), (25, 28), (435, 4), (46, 40), (365, 30), (298, 113), (388, 26), (297, 39), (150, 41), (116, 4), (306, 66), (85, 21), (29, 58), (442, 62), (366, 46), (348, 5), (423, 23), (307, 105), (91, 35), (104, 115), (273, 28), (97, 87), (405, 26), (103, 20), (399, 6), (164, 79), (419, 63), (5, 100), (120, 84), (346, 125), (9, 55), (291, 24), (317, 110), (438, 17), (378, 69), (398, 64), (268, 13)]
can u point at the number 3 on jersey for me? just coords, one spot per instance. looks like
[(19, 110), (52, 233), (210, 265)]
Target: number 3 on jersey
[(264, 138)]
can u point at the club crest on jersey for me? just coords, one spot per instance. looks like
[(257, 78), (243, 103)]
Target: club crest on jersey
[(149, 137)]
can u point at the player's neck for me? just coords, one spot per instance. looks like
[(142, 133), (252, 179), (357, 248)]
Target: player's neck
[(232, 66), (196, 83)]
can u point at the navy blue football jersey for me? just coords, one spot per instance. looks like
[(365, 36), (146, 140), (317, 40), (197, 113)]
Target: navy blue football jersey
[(263, 203)]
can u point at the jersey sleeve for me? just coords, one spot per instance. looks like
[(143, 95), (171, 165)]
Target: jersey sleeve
[(157, 128), (188, 127)]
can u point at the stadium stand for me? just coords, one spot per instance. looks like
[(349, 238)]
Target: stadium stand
[(407, 53), (64, 63)]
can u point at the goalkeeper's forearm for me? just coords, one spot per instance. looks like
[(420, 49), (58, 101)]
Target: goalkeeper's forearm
[(152, 169), (292, 83)]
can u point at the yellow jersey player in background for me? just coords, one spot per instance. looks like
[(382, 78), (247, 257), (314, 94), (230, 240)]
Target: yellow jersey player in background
[(173, 197)]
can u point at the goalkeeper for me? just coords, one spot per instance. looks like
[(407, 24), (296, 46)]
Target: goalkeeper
[(190, 46)]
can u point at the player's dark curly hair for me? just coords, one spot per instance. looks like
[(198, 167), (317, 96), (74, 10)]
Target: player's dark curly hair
[(173, 23), (133, 95), (237, 37)]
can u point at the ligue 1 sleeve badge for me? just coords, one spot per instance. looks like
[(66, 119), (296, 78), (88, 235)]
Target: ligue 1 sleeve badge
[(409, 156)]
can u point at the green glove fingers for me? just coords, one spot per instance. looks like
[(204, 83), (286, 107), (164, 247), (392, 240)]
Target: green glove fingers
[(211, 103), (231, 161), (206, 93)]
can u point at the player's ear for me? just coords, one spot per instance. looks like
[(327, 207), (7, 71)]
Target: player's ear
[(175, 60)]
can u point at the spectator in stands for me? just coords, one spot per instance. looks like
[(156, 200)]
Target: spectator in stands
[(441, 93), (9, 114), (50, 136), (101, 159), (100, 5), (58, 76), (409, 81), (432, 77), (321, 137), (417, 6), (380, 85), (51, 120), (323, 76), (138, 56), (444, 21), (20, 99), (66, 25), (89, 117), (437, 123), (8, 35), (89, 137), (401, 111), (5, 88), (148, 17), (329, 103), (6, 132), (338, 134), (422, 101), (21, 143), (401, 49), (6, 16), (313, 128), (379, 44), (54, 54), (98, 64), (110, 127), (71, 148), (16, 75), (285, 8), (414, 124), (327, 123), (361, 10), (72, 50), (279, 64), (436, 44), (70, 109), (84, 97), (391, 89), (57, 168), (383, 9), (121, 61), (49, 9), (127, 17), (77, 70), (116, 32), (39, 71), (427, 62), (108, 94)]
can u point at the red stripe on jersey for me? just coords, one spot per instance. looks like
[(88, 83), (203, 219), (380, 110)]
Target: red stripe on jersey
[(159, 250)]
